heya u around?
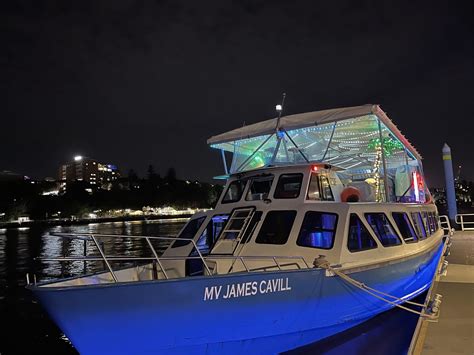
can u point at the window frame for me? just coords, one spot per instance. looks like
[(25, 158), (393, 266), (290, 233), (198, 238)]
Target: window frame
[(245, 183), (294, 212), (375, 231), (319, 177), (361, 220), (181, 241), (418, 223), (278, 184), (334, 231), (252, 179), (217, 235), (407, 219)]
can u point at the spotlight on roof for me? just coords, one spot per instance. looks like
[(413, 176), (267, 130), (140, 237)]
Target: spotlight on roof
[(278, 108), (78, 158)]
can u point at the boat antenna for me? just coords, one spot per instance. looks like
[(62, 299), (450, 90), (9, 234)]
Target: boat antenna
[(279, 109), (278, 134)]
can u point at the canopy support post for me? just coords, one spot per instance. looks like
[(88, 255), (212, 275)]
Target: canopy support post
[(385, 185), (330, 141), (275, 152), (225, 162)]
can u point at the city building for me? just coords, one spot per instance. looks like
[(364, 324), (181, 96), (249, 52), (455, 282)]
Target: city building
[(98, 175)]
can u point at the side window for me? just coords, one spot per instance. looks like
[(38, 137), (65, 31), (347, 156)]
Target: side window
[(276, 227), (433, 222), (326, 193), (418, 222), (189, 231), (404, 226), (426, 223), (359, 237), (259, 188), (383, 229), (289, 186), (234, 191), (210, 234), (319, 188), (318, 230)]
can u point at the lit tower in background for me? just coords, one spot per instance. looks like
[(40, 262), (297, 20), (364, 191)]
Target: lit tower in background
[(449, 178)]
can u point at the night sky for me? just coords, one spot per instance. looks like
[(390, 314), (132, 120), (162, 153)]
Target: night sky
[(147, 82)]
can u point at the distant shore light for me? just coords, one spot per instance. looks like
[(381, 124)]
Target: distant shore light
[(78, 157)]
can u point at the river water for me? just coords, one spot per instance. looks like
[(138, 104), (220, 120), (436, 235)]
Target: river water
[(26, 328)]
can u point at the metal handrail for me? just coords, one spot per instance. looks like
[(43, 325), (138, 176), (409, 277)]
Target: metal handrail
[(166, 258), (460, 220), (445, 224), (94, 237), (104, 258)]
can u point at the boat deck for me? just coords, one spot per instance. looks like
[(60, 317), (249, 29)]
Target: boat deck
[(454, 331)]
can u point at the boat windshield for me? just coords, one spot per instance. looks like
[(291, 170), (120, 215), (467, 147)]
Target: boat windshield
[(188, 232), (234, 191), (259, 188), (209, 235)]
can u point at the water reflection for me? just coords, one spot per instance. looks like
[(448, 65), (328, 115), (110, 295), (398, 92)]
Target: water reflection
[(27, 326)]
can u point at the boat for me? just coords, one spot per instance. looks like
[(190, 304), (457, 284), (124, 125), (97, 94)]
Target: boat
[(325, 221)]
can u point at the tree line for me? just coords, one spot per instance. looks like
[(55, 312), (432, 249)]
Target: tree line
[(26, 197)]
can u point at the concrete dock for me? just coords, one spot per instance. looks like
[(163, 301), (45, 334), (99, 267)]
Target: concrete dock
[(454, 331)]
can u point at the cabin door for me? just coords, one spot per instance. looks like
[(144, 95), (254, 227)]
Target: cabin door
[(235, 228)]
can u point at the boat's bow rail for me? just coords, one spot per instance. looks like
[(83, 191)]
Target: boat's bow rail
[(156, 267)]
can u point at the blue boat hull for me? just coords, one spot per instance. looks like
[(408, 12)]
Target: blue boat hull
[(250, 312)]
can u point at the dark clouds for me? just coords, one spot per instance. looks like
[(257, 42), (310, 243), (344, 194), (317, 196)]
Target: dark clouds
[(140, 82)]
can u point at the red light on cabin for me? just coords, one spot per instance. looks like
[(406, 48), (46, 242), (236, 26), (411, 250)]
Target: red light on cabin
[(314, 168)]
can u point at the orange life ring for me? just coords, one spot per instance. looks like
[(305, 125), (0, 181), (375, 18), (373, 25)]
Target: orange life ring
[(350, 194)]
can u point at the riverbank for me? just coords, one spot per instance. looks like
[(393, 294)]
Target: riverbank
[(70, 222)]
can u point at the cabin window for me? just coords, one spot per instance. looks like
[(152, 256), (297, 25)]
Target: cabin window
[(259, 188), (209, 235), (276, 227), (359, 237), (418, 222), (426, 223), (383, 229), (318, 230), (404, 226), (189, 231), (234, 191), (289, 186), (319, 188), (432, 222)]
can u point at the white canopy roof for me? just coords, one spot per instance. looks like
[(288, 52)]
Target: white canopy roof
[(309, 119)]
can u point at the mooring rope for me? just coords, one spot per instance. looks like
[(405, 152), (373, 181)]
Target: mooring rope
[(324, 264)]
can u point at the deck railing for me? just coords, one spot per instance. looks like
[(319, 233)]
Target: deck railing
[(274, 261), (445, 224), (466, 225)]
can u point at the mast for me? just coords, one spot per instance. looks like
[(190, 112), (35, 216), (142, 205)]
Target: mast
[(279, 135)]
